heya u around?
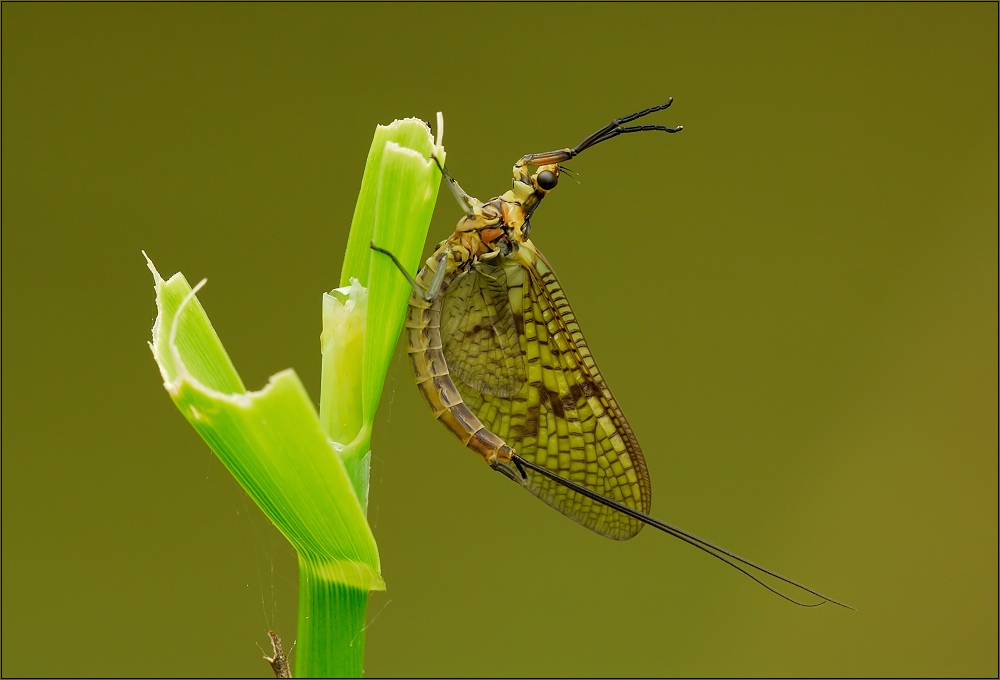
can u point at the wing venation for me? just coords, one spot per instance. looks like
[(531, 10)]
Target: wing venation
[(561, 415), (479, 334)]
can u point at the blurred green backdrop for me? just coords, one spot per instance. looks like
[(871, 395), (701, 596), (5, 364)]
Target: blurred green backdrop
[(795, 301)]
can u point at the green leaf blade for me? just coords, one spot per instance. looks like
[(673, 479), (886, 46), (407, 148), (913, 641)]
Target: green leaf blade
[(270, 440)]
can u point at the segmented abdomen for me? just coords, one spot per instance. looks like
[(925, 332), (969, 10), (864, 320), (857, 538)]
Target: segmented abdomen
[(423, 329)]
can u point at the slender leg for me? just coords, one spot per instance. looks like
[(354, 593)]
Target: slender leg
[(465, 200), (435, 288)]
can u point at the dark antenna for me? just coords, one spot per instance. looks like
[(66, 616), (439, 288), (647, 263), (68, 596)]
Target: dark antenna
[(609, 131)]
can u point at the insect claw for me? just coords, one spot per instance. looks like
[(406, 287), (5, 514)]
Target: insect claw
[(507, 472), (519, 476), (520, 468)]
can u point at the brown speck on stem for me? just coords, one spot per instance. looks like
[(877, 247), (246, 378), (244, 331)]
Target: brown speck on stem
[(279, 662)]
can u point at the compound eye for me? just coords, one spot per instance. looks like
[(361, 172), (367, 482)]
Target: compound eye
[(547, 180)]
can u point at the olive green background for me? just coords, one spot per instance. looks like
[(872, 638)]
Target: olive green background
[(795, 301)]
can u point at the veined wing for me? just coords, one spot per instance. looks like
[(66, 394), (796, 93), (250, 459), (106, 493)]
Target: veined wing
[(478, 334), (563, 416)]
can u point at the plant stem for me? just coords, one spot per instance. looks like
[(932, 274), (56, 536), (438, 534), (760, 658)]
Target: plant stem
[(331, 625)]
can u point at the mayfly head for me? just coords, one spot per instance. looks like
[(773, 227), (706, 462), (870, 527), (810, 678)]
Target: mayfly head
[(529, 188), (501, 225)]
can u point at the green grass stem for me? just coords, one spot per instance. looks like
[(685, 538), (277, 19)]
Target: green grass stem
[(308, 469)]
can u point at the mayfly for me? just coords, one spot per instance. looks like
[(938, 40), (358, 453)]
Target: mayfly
[(499, 356)]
